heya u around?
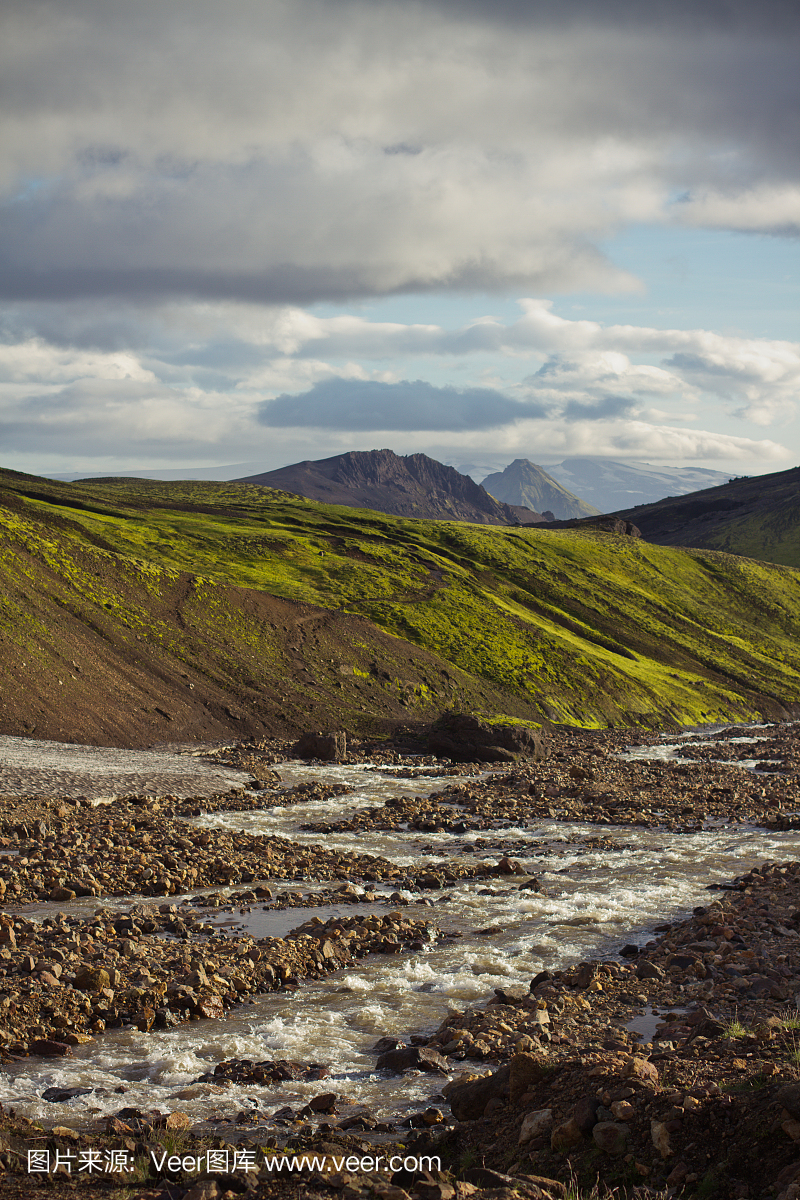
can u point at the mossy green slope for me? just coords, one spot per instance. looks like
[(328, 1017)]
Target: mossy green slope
[(588, 628)]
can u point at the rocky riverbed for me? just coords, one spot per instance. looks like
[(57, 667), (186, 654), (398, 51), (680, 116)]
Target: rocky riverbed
[(667, 1059)]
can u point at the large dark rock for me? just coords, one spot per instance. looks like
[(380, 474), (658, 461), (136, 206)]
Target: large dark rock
[(418, 1058), (329, 747), (464, 738), (468, 1100)]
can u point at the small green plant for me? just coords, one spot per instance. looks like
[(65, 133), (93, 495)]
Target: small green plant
[(735, 1029)]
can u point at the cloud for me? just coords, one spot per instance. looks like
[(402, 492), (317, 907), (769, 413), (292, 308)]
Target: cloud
[(298, 150), (361, 405), (221, 382)]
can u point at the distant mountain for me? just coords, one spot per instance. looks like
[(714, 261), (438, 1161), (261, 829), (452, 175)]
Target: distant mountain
[(756, 517), (412, 486), (612, 485), (522, 482)]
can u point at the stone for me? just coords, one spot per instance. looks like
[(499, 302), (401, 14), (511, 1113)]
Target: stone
[(91, 979), (420, 1058), (535, 1123), (566, 1136), (46, 1048), (648, 970), (468, 1100), (177, 1120), (324, 1103), (205, 1189), (611, 1137), (641, 1068), (584, 1114), (677, 1175), (328, 747), (463, 738), (659, 1135), (58, 1095), (789, 1097)]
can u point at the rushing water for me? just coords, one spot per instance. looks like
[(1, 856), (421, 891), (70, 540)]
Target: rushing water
[(595, 899)]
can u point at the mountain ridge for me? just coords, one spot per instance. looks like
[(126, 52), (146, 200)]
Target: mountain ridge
[(413, 485), (524, 482)]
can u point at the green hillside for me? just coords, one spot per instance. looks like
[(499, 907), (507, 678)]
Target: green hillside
[(575, 626)]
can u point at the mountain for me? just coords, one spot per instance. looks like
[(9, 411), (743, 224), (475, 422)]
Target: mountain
[(522, 482), (611, 485), (756, 517), (412, 486), (135, 611)]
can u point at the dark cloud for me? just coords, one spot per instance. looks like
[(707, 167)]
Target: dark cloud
[(363, 405), (303, 150)]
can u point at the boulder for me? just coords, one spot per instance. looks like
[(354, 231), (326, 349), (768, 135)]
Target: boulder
[(469, 1100), (329, 747), (566, 1136), (464, 738), (535, 1123), (611, 1137), (407, 1058), (91, 979)]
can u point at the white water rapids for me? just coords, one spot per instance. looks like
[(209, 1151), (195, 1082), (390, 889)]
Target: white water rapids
[(595, 900)]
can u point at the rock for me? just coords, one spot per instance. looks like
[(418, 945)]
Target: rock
[(659, 1135), (324, 1103), (677, 1174), (49, 1049), (329, 747), (525, 1070), (468, 1100), (420, 1058), (205, 1189), (641, 1068), (485, 1177), (58, 1095), (177, 1120), (91, 979), (565, 1136), (61, 894), (535, 1123), (210, 1006), (789, 1097), (386, 1043), (648, 970), (584, 1114), (464, 738), (585, 975), (611, 1137)]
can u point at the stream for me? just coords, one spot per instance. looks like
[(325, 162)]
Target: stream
[(595, 898)]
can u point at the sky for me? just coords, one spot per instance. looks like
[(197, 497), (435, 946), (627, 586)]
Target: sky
[(267, 231)]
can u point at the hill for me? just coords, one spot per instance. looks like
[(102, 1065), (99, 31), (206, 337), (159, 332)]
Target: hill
[(410, 486), (522, 482), (135, 611), (757, 517), (612, 485)]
